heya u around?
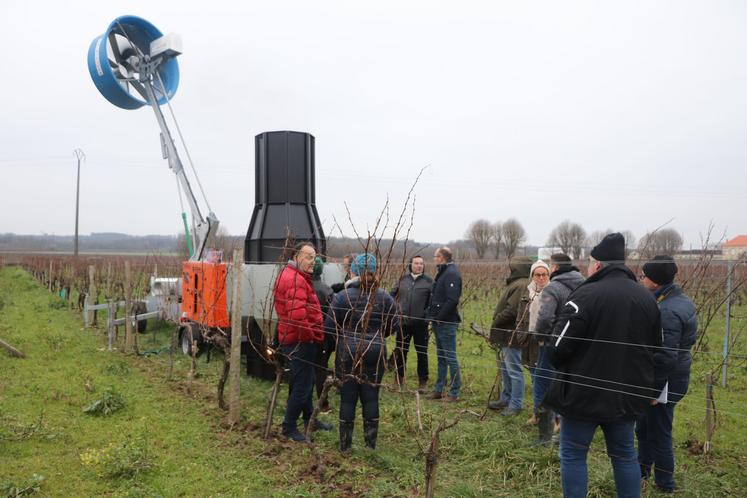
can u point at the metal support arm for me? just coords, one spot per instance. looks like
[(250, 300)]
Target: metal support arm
[(202, 228)]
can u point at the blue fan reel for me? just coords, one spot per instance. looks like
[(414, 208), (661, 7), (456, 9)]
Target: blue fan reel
[(120, 61)]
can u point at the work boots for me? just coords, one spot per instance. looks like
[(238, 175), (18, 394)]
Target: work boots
[(346, 436), (370, 432), (545, 424)]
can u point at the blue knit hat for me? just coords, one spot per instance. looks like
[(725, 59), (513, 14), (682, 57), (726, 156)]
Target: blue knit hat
[(363, 263)]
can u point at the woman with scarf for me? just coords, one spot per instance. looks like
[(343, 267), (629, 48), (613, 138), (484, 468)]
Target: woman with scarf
[(539, 276)]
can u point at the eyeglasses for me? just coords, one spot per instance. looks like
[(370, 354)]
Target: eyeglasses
[(541, 275)]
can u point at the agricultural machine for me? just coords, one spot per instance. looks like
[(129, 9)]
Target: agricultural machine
[(133, 65)]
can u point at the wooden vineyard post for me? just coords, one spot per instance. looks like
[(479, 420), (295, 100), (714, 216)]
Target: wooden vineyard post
[(328, 382), (431, 462), (110, 328), (11, 350), (273, 398), (108, 279), (709, 418), (234, 395), (128, 305), (49, 275), (91, 297)]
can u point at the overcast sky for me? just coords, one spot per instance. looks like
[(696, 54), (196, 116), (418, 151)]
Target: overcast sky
[(611, 114)]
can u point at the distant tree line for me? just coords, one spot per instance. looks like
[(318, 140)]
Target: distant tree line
[(504, 238), (500, 239)]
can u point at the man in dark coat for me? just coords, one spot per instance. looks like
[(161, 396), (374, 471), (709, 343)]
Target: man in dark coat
[(672, 363), (604, 353), (444, 318), (511, 317), (324, 294), (412, 293)]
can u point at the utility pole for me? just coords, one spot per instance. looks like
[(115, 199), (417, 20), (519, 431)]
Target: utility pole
[(81, 157)]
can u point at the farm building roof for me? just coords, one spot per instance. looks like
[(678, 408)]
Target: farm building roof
[(738, 241)]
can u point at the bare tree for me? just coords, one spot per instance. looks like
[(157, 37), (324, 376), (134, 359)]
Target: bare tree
[(596, 237), (480, 233), (225, 242), (513, 235), (664, 241), (570, 237), (497, 238), (630, 240)]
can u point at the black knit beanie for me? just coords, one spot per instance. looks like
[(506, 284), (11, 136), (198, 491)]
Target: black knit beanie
[(660, 270), (611, 249)]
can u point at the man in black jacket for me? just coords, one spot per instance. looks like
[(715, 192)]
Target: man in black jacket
[(324, 294), (680, 324), (604, 353), (412, 294), (444, 318)]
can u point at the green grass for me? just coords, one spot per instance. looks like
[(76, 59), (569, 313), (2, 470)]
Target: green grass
[(172, 441)]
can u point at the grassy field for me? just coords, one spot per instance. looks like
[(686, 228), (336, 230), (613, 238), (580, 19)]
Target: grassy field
[(169, 438)]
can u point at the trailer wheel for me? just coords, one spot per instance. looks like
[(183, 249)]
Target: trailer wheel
[(185, 341), (138, 308)]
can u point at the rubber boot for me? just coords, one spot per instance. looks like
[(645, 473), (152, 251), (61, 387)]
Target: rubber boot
[(545, 425), (370, 432), (346, 436)]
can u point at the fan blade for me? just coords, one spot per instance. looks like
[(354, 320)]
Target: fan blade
[(140, 89), (115, 47)]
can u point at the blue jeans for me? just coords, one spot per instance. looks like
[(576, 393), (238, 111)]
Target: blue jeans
[(513, 378), (575, 438), (446, 353), (301, 384), (654, 433), (542, 376)]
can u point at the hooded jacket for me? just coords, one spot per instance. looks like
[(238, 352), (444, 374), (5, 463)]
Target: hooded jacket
[(603, 351), (680, 324), (509, 309), (362, 321), (445, 295), (299, 312), (555, 294)]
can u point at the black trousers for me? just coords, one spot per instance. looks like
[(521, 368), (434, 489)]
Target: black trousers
[(301, 383), (418, 332), (367, 370), (654, 433), (322, 362)]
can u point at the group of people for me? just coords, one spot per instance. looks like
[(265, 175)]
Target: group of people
[(353, 319), (611, 350)]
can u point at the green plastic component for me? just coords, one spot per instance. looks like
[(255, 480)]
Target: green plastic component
[(187, 236)]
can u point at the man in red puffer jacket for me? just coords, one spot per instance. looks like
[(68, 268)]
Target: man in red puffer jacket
[(300, 333)]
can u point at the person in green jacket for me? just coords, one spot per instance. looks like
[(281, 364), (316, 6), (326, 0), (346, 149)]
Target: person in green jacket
[(508, 331)]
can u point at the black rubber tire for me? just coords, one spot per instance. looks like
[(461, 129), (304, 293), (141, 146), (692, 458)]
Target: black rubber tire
[(185, 341)]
